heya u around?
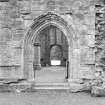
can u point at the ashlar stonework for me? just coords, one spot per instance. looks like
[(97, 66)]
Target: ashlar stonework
[(65, 25)]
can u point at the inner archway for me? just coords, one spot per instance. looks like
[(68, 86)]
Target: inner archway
[(54, 46)]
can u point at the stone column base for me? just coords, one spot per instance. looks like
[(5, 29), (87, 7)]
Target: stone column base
[(37, 67), (75, 85)]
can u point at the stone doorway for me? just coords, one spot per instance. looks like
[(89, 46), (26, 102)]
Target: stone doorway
[(40, 24)]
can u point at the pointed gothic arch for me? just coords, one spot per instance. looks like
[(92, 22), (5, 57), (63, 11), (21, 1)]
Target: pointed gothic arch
[(39, 24)]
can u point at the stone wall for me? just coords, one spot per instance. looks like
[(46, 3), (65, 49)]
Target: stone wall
[(100, 34), (16, 16)]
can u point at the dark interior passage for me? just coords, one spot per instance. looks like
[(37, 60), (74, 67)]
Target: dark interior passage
[(54, 46)]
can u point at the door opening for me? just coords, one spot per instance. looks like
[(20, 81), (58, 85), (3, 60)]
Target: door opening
[(56, 55), (54, 47), (53, 55)]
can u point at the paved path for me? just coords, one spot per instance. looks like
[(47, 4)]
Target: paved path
[(51, 74), (50, 97)]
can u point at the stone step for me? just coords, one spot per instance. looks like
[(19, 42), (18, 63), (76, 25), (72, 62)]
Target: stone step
[(4, 88), (10, 80), (51, 86), (33, 86), (54, 87), (28, 87)]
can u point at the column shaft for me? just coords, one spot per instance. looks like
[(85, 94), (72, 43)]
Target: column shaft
[(36, 63)]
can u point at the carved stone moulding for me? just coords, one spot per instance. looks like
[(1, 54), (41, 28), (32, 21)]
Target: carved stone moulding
[(47, 18)]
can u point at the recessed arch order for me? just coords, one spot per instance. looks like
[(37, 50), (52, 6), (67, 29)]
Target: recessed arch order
[(38, 25)]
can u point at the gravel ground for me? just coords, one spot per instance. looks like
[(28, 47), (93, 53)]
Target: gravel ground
[(50, 97)]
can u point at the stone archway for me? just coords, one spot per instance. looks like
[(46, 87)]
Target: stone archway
[(39, 24), (53, 47)]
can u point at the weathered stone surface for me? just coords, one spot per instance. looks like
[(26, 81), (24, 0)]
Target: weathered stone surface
[(16, 18), (5, 34), (87, 71), (87, 55)]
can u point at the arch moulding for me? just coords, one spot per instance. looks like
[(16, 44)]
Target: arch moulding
[(39, 24)]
